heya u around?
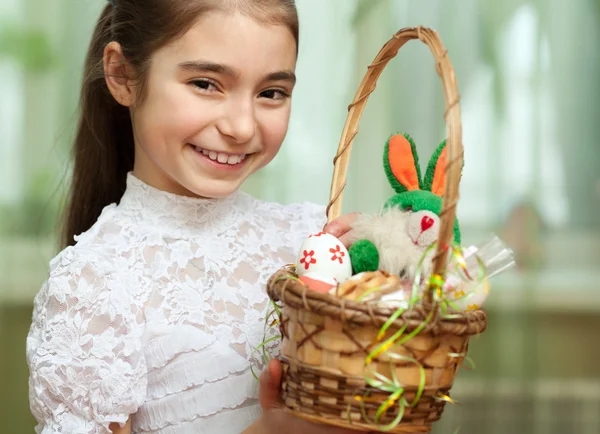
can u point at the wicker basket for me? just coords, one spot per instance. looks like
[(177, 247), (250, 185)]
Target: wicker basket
[(326, 339)]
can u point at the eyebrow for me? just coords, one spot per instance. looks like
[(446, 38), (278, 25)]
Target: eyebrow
[(202, 66), (282, 76)]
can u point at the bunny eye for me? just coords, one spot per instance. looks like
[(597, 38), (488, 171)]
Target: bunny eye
[(402, 273), (409, 209)]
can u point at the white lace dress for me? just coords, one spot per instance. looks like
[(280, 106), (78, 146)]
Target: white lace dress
[(156, 312)]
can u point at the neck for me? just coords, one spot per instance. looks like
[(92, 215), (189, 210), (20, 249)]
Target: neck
[(178, 215)]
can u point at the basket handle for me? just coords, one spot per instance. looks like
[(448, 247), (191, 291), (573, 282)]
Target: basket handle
[(453, 130)]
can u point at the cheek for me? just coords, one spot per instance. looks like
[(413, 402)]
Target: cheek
[(273, 127), (169, 116)]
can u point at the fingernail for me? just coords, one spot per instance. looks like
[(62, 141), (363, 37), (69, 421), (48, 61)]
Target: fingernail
[(331, 229)]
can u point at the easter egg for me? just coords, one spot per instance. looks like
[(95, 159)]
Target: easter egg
[(468, 295), (324, 255), (319, 283)]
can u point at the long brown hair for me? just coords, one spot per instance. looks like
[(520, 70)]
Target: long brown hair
[(103, 149)]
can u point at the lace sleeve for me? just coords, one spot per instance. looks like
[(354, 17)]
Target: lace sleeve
[(84, 351)]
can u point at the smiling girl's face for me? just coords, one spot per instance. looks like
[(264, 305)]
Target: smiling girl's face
[(216, 105)]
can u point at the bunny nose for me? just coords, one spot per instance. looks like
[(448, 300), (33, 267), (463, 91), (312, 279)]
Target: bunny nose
[(426, 223)]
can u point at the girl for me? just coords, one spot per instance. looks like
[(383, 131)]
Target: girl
[(150, 315)]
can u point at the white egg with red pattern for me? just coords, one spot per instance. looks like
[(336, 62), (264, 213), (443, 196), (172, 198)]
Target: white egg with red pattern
[(324, 255)]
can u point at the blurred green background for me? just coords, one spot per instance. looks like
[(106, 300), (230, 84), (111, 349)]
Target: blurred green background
[(528, 72)]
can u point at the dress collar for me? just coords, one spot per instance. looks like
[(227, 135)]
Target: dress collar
[(180, 215)]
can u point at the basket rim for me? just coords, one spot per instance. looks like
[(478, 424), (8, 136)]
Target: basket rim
[(284, 286)]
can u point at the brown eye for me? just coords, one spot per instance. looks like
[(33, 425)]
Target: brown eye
[(204, 85), (274, 94)]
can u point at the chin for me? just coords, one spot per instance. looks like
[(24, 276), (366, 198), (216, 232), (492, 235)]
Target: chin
[(213, 188)]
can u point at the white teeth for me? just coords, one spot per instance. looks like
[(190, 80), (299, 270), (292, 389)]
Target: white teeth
[(221, 157)]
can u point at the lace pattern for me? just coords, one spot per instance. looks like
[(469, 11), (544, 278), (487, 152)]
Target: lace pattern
[(157, 310)]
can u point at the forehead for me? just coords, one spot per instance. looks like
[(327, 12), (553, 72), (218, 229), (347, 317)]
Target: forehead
[(235, 40)]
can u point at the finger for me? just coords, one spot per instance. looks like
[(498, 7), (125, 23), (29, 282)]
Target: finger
[(347, 239), (270, 379), (275, 371), (341, 225)]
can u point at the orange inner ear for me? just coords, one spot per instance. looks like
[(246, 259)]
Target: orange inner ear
[(402, 162), (438, 185)]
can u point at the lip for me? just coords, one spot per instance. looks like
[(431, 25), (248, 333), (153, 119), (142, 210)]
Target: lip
[(416, 243), (219, 152), (202, 154)]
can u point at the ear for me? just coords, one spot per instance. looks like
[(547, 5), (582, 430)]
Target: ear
[(401, 163), (435, 176), (117, 73)]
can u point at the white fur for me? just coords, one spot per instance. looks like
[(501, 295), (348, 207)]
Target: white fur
[(414, 228), (389, 232)]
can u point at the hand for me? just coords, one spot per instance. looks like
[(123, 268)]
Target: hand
[(275, 420), (341, 228)]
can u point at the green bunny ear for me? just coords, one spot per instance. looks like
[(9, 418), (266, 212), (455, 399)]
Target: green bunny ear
[(435, 175), (401, 163)]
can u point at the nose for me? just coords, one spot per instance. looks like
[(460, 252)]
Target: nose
[(238, 121), (426, 223)]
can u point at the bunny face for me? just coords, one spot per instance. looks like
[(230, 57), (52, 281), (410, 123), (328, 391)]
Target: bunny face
[(423, 228)]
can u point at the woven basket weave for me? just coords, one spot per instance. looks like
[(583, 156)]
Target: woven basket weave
[(326, 339)]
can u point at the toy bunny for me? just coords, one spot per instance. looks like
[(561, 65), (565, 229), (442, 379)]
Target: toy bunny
[(396, 239)]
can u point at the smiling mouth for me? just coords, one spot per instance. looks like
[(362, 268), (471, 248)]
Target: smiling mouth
[(221, 157), (416, 242)]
